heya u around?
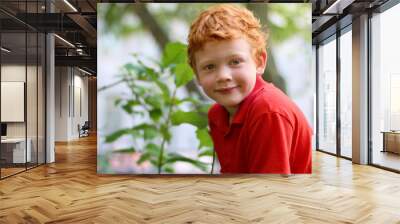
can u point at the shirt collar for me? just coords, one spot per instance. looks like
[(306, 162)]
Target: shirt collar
[(243, 107)]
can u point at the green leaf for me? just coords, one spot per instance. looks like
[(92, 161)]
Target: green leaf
[(150, 72), (183, 74), (128, 106), (153, 149), (149, 131), (165, 132), (155, 114), (144, 157), (174, 53), (188, 99), (117, 101), (134, 69), (204, 138), (174, 157), (207, 152), (155, 101), (153, 75), (193, 118), (125, 29), (168, 169), (164, 89), (143, 126), (116, 135), (125, 150), (139, 90), (154, 162), (142, 71), (204, 108)]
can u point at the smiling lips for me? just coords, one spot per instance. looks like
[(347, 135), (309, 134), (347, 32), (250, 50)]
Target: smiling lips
[(226, 90)]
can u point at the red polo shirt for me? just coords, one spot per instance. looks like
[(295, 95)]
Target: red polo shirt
[(268, 134)]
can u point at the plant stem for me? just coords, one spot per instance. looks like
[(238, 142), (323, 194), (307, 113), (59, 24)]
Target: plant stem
[(160, 157), (213, 162), (112, 84)]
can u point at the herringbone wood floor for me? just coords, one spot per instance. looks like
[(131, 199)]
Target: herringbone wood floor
[(70, 191)]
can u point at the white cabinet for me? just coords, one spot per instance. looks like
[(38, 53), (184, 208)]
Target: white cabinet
[(18, 149)]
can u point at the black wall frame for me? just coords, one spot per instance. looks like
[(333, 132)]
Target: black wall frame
[(369, 83), (44, 93), (317, 97), (338, 72)]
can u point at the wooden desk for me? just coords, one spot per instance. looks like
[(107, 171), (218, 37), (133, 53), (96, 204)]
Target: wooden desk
[(391, 141), (16, 147)]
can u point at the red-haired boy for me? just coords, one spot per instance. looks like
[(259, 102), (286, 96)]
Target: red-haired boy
[(255, 127)]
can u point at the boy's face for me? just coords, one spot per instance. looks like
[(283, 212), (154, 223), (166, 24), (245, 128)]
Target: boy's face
[(226, 70)]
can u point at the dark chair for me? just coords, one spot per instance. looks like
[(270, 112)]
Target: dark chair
[(84, 130)]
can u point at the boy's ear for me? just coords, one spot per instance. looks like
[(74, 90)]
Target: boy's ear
[(262, 62)]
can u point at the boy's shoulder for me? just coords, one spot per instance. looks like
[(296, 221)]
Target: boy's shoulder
[(271, 99)]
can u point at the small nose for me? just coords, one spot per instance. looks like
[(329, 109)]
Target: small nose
[(223, 74)]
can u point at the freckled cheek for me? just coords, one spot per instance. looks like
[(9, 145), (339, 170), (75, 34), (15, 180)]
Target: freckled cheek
[(239, 77), (207, 84)]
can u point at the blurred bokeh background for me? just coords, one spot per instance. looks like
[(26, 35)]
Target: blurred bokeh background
[(135, 38)]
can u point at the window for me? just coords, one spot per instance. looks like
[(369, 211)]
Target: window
[(346, 93), (327, 96), (385, 89)]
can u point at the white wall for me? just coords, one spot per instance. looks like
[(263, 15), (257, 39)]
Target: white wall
[(61, 103), (71, 94), (16, 73)]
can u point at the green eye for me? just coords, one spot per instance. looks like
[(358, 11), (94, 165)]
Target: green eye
[(235, 62), (209, 67)]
